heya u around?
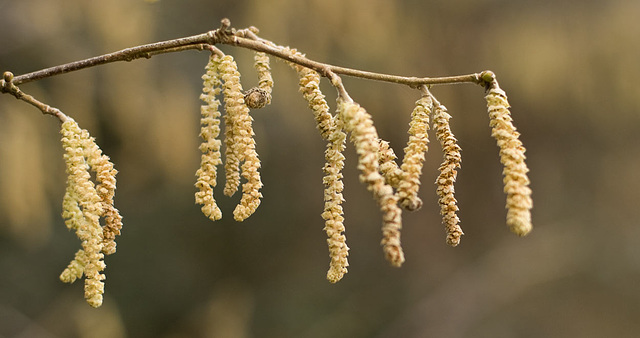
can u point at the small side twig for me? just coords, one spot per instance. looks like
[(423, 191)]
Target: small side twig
[(7, 86)]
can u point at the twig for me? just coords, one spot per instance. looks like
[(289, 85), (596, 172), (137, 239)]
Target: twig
[(7, 86), (129, 54)]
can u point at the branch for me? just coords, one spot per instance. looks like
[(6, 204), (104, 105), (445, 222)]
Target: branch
[(265, 46), (245, 38), (129, 54)]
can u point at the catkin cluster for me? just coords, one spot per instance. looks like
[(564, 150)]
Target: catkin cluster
[(83, 205), (91, 179), (394, 187), (241, 157)]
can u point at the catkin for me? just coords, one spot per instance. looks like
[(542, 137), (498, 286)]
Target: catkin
[(365, 138), (210, 146), (333, 198), (106, 175), (82, 208), (234, 111), (448, 174), (516, 181), (240, 143), (414, 154), (333, 213)]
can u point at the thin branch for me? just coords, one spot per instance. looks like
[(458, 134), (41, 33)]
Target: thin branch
[(261, 45), (128, 54), (245, 38)]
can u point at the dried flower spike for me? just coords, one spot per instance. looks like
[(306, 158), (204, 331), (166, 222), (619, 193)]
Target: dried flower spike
[(516, 181), (448, 175), (209, 131), (414, 154), (365, 138)]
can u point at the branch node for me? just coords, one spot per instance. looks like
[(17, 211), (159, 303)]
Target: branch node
[(7, 76), (254, 29), (487, 78), (225, 24)]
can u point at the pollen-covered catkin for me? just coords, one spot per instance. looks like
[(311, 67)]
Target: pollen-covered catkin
[(448, 174), (365, 138), (310, 89), (82, 195), (240, 143), (333, 198), (414, 154), (516, 181), (333, 213), (234, 109), (210, 147), (106, 175), (265, 81)]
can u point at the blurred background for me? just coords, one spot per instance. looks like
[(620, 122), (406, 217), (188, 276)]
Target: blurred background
[(570, 69)]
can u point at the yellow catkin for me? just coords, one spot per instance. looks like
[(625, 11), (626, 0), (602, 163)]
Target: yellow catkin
[(82, 192), (333, 198), (234, 106), (240, 143), (333, 213), (516, 181), (448, 174), (365, 138), (265, 81), (414, 154), (210, 146), (106, 175)]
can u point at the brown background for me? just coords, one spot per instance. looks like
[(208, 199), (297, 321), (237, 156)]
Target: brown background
[(570, 69)]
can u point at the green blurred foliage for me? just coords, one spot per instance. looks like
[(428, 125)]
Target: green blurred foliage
[(570, 70)]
